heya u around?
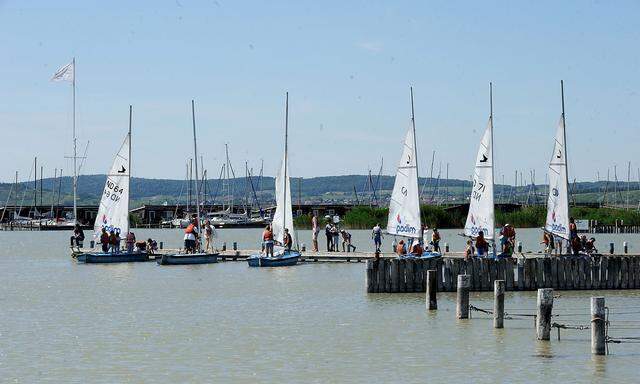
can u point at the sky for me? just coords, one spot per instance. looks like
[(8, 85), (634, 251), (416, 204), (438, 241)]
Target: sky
[(347, 66)]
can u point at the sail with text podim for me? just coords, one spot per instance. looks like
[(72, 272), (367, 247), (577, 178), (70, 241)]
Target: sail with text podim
[(558, 201), (113, 213), (404, 207), (481, 209)]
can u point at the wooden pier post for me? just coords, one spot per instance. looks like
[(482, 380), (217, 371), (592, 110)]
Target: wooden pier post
[(625, 247), (235, 246), (598, 342), (498, 304), (462, 299), (611, 248), (543, 316), (432, 287), (161, 244)]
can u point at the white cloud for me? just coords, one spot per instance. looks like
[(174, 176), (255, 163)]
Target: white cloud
[(371, 46)]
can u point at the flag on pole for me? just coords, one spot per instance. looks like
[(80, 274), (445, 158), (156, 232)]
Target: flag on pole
[(66, 73)]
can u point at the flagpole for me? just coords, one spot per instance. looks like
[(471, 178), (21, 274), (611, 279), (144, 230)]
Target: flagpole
[(75, 154)]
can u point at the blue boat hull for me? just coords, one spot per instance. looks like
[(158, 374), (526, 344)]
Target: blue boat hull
[(425, 255), (286, 260), (188, 259), (107, 258)]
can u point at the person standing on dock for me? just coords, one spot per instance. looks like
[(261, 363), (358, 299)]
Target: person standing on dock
[(209, 234), (336, 238), (376, 235), (469, 250), (315, 230), (327, 233), (346, 242), (112, 242), (267, 239)]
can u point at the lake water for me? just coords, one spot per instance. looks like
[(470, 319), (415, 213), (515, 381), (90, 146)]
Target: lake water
[(63, 322)]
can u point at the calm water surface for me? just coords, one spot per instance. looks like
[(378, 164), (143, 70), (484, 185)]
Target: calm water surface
[(64, 322)]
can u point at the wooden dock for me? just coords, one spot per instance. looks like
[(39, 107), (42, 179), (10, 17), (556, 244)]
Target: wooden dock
[(521, 274)]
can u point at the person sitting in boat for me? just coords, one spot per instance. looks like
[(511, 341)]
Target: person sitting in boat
[(481, 245), (78, 237), (401, 249), (152, 246), (141, 246), (346, 242), (130, 241), (267, 240), (469, 250), (507, 250), (435, 240), (590, 246), (576, 246), (287, 241), (112, 242), (104, 241), (416, 248)]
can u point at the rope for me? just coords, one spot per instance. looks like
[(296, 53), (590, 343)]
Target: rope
[(568, 326)]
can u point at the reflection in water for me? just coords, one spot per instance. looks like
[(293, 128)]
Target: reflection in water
[(599, 365), (544, 349)]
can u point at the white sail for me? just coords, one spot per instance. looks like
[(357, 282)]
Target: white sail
[(283, 216), (481, 214), (404, 207), (558, 201), (113, 213)]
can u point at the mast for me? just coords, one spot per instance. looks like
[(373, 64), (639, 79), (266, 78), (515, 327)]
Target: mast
[(75, 151), (564, 132), (493, 214), (53, 189), (286, 139), (415, 146), (129, 161), (35, 186), (195, 155)]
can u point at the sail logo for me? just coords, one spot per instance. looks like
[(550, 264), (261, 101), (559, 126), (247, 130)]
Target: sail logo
[(473, 219), (553, 216), (404, 229), (476, 229), (104, 219)]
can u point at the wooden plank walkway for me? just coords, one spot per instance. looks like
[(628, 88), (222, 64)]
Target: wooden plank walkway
[(522, 274)]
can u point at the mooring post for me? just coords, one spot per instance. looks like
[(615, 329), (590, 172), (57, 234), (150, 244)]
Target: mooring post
[(625, 247), (543, 315), (161, 244), (92, 244), (303, 248), (432, 286), (498, 304), (224, 246), (519, 246), (235, 246), (598, 342), (611, 248), (446, 247), (462, 300)]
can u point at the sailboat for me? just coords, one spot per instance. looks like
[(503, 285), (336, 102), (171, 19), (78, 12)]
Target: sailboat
[(557, 222), (481, 215), (283, 216), (200, 257), (113, 213), (404, 206)]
